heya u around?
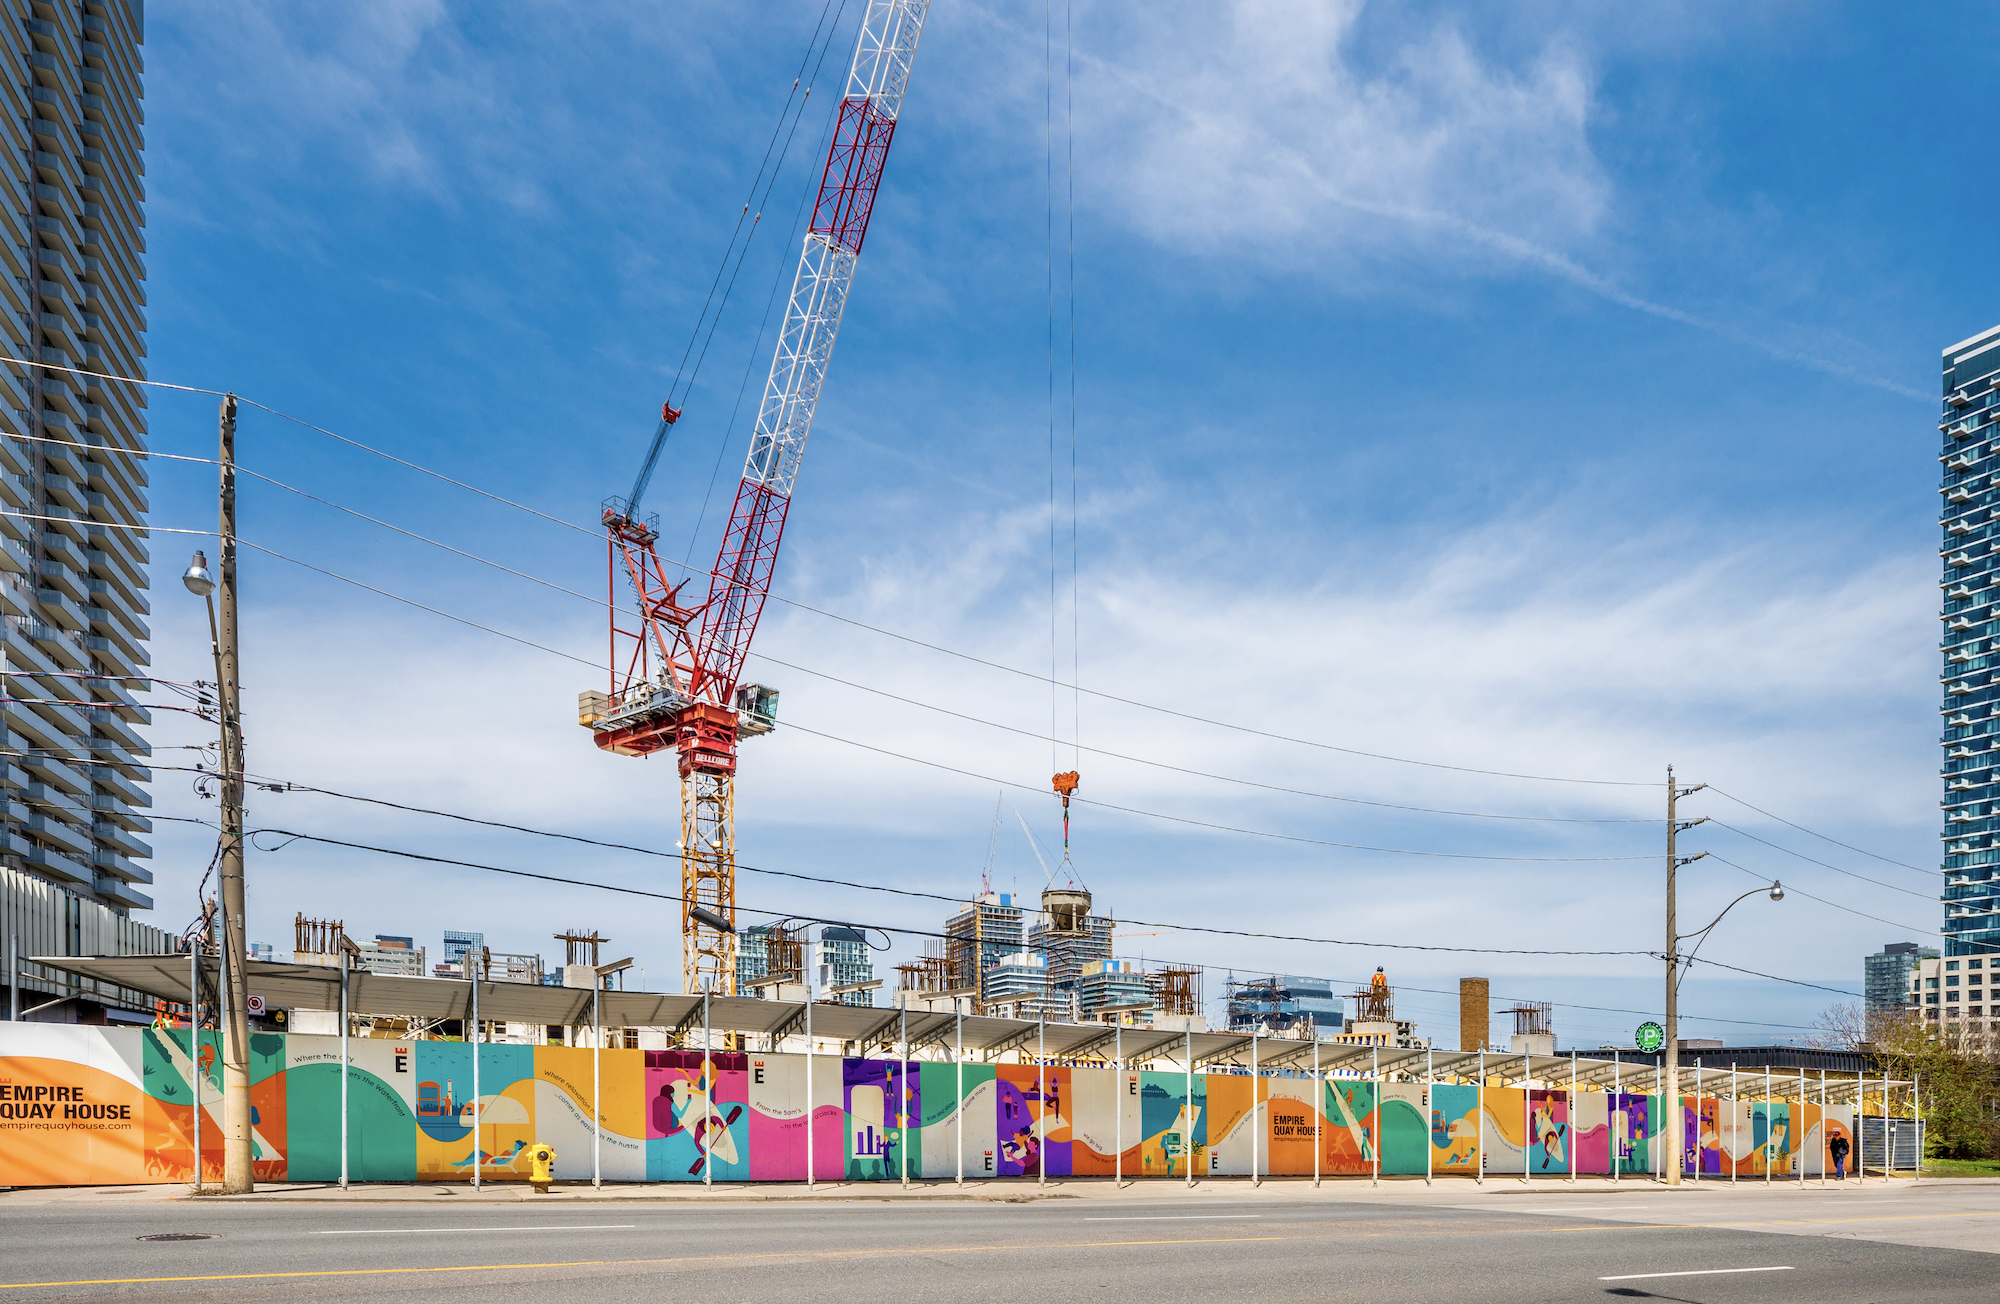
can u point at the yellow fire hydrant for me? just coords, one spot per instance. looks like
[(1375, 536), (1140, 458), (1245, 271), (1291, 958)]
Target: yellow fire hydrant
[(541, 1160)]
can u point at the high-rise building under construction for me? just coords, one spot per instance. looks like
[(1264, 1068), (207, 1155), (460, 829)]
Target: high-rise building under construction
[(73, 564)]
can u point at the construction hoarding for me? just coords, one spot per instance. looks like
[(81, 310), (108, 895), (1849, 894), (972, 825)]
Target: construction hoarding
[(91, 1105)]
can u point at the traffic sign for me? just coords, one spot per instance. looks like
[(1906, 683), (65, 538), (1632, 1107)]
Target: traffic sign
[(1651, 1036), (255, 1004)]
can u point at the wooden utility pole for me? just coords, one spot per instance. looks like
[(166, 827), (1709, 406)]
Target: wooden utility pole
[(238, 1176), (1670, 1101)]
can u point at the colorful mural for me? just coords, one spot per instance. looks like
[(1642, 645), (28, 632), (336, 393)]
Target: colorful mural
[(82, 1105)]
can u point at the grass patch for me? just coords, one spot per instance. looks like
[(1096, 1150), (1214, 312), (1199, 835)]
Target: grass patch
[(1962, 1167)]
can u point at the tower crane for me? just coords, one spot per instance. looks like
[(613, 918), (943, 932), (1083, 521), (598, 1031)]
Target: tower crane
[(675, 675)]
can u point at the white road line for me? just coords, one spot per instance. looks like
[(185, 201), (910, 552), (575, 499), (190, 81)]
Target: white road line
[(1179, 1217), (1700, 1272), (426, 1231), (1581, 1213)]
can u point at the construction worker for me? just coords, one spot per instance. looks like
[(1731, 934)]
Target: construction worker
[(541, 1161)]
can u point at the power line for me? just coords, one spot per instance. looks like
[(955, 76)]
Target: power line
[(1893, 887), (1930, 932), (549, 584), (1180, 819), (914, 932), (1821, 836), (514, 638), (876, 629), (1199, 774), (411, 602), (928, 933)]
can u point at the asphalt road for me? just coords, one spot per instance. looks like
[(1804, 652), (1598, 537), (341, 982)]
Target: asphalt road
[(1911, 1244)]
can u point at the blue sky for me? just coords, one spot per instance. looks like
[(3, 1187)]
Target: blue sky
[(1536, 389)]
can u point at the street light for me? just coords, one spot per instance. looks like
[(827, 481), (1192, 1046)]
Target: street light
[(199, 582)]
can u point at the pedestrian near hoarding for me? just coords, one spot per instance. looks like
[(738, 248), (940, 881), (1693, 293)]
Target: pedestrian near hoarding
[(1838, 1149)]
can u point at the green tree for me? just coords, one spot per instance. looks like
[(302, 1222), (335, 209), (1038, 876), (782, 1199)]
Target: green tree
[(1957, 1072)]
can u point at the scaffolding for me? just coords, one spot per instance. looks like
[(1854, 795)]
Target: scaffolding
[(581, 948), (1176, 990)]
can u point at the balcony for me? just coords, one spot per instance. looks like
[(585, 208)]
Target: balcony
[(1960, 688), (1960, 527), (60, 866), (1958, 753), (122, 893), (1959, 494), (1962, 462), (1958, 592), (104, 806), (58, 834), (121, 840), (1960, 560)]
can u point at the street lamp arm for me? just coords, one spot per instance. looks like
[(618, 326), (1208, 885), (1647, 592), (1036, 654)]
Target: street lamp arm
[(1777, 891)]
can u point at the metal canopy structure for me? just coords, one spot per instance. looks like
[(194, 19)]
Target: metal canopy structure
[(317, 987)]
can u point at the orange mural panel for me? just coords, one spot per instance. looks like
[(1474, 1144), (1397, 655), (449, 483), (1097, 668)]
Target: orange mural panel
[(67, 1124)]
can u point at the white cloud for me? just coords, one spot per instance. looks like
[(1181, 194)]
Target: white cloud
[(1262, 122), (1514, 646)]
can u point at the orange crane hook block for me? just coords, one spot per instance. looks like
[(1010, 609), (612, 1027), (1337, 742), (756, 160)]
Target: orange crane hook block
[(1065, 784)]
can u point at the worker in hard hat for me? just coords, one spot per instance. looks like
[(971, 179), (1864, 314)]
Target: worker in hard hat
[(541, 1166)]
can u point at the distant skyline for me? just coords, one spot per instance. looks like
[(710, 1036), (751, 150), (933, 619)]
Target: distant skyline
[(1541, 390)]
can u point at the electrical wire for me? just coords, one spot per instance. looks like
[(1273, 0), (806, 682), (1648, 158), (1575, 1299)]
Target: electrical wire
[(293, 836), (864, 625), (599, 602), (108, 525), (1932, 932), (1199, 774), (1893, 887), (411, 602), (1821, 836), (783, 114), (1222, 828), (806, 193)]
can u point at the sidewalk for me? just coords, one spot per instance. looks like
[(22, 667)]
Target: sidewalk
[(1395, 1190)]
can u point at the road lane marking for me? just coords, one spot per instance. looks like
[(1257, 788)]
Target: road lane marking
[(1346, 1234), (1699, 1272), (1177, 1217), (616, 1263), (425, 1231)]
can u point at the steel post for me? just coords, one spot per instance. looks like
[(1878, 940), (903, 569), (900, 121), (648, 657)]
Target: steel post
[(1256, 1177), (1375, 1075), (1187, 1142), (1319, 1103), (596, 1083), (958, 1059), (903, 1097), (812, 987), (343, 1065), (473, 965), (194, 1052), (707, 1091)]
